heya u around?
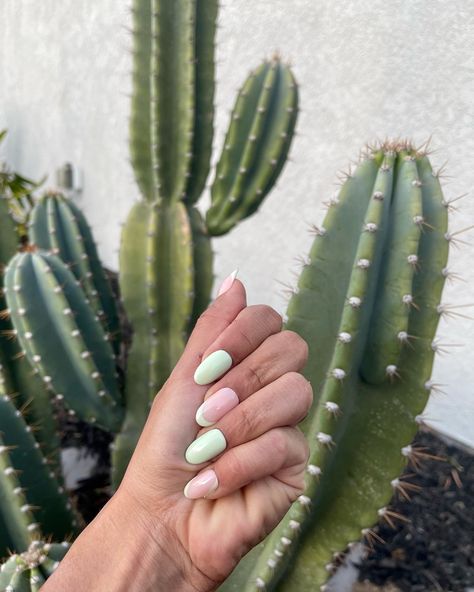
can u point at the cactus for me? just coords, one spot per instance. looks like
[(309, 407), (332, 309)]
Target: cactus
[(32, 499), (62, 338), (165, 253), (16, 372), (58, 226), (28, 571), (368, 304)]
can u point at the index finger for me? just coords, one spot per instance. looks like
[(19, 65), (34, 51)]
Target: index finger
[(213, 321)]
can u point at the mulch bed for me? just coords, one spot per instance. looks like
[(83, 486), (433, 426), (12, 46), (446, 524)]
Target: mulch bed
[(434, 550)]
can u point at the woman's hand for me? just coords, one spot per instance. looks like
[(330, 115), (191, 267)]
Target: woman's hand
[(190, 524)]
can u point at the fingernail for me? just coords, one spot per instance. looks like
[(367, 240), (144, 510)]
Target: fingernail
[(202, 485), (215, 365), (227, 283), (216, 407), (206, 447)]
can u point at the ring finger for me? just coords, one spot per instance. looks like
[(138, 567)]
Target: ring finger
[(284, 402)]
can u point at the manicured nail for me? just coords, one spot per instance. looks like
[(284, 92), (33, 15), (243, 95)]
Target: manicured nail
[(206, 447), (202, 485), (212, 367), (227, 283), (216, 407)]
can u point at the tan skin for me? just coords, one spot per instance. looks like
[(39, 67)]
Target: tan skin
[(150, 537)]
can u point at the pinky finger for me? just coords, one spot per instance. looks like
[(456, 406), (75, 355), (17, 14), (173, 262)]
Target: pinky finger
[(281, 452)]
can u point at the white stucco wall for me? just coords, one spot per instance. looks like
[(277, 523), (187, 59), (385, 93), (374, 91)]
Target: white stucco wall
[(367, 69)]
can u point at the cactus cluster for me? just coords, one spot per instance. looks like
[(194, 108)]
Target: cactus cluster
[(61, 340), (367, 303)]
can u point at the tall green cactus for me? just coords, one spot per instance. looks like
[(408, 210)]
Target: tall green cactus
[(368, 304), (165, 254)]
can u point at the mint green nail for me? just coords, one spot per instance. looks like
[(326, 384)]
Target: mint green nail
[(212, 367), (206, 447)]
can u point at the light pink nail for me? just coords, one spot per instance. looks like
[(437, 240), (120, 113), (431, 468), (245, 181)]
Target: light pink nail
[(227, 283), (202, 485), (216, 407)]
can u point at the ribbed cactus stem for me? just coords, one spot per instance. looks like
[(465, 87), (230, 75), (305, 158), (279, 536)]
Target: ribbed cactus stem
[(72, 356), (256, 145), (156, 278), (205, 24), (22, 526), (172, 95), (58, 226), (370, 381)]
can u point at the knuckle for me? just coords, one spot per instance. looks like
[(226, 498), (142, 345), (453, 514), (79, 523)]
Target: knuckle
[(267, 315), (278, 442), (247, 421), (209, 316), (300, 388), (296, 343), (255, 378), (234, 467)]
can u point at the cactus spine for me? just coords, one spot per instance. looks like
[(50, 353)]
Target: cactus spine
[(370, 321)]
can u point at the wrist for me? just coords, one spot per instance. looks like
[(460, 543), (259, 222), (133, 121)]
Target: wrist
[(123, 550)]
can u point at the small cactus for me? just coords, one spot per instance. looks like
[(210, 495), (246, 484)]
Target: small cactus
[(28, 571)]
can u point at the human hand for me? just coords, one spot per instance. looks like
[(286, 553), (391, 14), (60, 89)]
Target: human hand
[(151, 536), (246, 490)]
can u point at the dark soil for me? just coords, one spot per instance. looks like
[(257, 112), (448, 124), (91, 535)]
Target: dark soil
[(434, 550)]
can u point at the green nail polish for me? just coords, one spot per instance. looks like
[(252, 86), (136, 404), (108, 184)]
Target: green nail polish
[(212, 367), (206, 447)]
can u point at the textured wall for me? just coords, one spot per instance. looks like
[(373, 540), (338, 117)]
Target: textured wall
[(367, 68)]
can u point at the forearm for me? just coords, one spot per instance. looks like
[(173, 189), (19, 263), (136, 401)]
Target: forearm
[(121, 552)]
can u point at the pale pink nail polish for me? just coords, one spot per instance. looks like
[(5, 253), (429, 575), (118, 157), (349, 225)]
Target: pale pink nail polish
[(202, 485), (216, 407), (227, 283)]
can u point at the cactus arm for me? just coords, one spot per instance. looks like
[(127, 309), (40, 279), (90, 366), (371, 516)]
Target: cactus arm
[(18, 374), (202, 261), (19, 520), (140, 118), (57, 225), (256, 145), (62, 338), (31, 494), (204, 85), (172, 94)]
